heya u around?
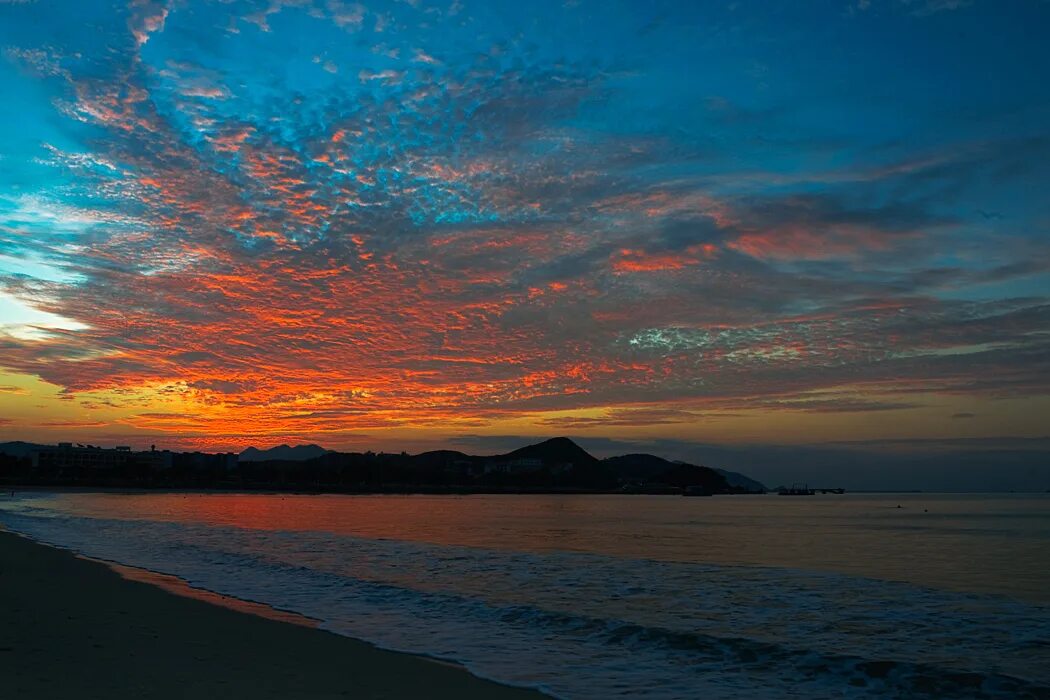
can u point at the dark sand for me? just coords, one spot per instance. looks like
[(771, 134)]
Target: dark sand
[(72, 628)]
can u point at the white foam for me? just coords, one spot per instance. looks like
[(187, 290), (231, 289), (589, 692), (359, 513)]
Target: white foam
[(589, 626)]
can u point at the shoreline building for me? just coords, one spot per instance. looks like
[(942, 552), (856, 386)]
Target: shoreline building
[(66, 457)]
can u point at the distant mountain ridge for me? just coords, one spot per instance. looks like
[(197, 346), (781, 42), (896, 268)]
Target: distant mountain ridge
[(559, 450), (739, 480), (559, 453), (18, 448), (625, 469), (557, 463), (299, 453), (642, 467), (639, 465)]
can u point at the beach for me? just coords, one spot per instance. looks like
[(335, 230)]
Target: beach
[(74, 628), (582, 597)]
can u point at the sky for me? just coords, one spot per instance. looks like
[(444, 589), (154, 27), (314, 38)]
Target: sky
[(413, 224)]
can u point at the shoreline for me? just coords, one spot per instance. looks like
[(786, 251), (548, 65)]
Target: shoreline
[(23, 487), (135, 487), (71, 626)]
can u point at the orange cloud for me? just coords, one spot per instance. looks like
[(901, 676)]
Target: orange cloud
[(636, 260)]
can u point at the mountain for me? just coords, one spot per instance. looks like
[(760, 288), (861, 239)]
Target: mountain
[(18, 448), (437, 459), (740, 481), (553, 452), (685, 475), (638, 466), (299, 453), (554, 465), (653, 469)]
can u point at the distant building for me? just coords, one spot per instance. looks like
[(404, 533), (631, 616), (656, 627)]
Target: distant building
[(205, 462), (67, 457), (155, 460)]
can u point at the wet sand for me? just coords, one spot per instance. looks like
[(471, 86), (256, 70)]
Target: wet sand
[(73, 628)]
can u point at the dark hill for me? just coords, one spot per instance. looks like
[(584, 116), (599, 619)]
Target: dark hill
[(551, 466), (443, 458), (685, 475), (638, 466), (553, 452), (746, 483), (299, 453), (18, 448), (653, 469)]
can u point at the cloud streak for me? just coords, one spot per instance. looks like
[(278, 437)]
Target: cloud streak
[(442, 240)]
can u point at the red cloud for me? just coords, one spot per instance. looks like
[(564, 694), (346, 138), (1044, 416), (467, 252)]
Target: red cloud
[(635, 260)]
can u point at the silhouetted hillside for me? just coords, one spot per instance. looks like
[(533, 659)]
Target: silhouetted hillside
[(18, 448), (553, 465), (559, 450), (443, 458), (639, 466), (741, 481), (646, 468), (686, 475), (296, 454)]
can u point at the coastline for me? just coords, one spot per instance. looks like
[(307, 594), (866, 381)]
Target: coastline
[(393, 490), (74, 627)]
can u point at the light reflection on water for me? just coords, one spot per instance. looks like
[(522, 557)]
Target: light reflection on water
[(640, 596), (968, 542)]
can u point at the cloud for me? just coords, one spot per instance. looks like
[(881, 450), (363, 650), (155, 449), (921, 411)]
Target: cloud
[(346, 15), (825, 226), (387, 76), (147, 17), (72, 424), (625, 417), (478, 230), (840, 405), (636, 260), (918, 8), (40, 61), (922, 8)]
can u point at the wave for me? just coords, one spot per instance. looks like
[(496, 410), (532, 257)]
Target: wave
[(586, 626), (797, 667)]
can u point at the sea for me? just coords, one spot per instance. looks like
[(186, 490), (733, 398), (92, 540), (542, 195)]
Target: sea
[(605, 596)]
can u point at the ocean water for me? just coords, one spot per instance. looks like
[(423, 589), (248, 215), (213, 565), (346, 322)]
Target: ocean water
[(945, 596)]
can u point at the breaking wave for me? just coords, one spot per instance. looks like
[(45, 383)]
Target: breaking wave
[(580, 625)]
